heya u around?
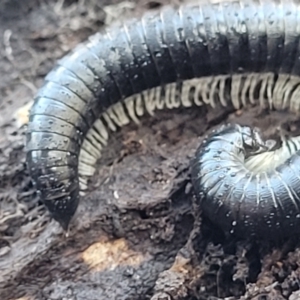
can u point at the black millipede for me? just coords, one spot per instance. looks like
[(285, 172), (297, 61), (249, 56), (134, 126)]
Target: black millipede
[(228, 54)]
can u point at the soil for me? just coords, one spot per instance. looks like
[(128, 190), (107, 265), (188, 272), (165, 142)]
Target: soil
[(138, 233)]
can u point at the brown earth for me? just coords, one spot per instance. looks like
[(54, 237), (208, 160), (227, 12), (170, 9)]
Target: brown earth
[(138, 233)]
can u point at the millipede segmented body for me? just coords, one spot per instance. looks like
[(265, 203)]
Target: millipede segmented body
[(245, 186), (227, 54)]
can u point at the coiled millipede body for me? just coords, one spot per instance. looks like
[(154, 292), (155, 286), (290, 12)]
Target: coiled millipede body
[(247, 186), (235, 53)]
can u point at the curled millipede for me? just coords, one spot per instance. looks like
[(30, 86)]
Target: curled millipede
[(228, 54), (247, 186)]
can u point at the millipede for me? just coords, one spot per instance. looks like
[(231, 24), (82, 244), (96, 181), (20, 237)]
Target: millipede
[(220, 54)]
